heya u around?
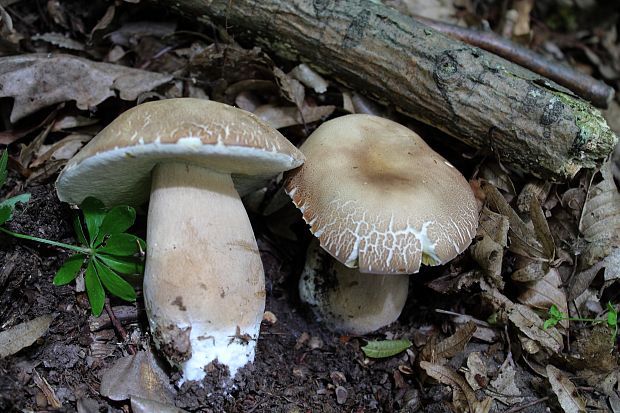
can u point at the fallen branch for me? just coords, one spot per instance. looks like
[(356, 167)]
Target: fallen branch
[(529, 122), (596, 91)]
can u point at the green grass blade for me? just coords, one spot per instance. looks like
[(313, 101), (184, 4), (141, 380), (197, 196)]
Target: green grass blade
[(114, 283), (94, 212), (69, 270), (5, 213), (123, 245), (385, 348), (79, 229), (123, 265), (96, 294), (116, 221), (4, 160)]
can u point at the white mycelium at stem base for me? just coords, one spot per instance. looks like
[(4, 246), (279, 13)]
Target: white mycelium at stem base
[(203, 283)]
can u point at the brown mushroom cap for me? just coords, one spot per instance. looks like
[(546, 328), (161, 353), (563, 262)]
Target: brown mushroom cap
[(379, 198), (115, 166)]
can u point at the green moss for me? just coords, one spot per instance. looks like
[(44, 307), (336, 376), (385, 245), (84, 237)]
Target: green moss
[(594, 134)]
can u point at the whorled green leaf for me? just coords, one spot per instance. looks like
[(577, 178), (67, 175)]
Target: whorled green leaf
[(94, 289), (123, 245), (94, 212), (114, 283), (69, 270), (116, 221), (385, 348), (123, 265)]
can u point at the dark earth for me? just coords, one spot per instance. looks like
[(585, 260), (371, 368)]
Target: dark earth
[(300, 366)]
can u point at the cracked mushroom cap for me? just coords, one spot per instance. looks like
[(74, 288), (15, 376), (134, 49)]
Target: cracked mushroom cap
[(379, 198), (116, 165)]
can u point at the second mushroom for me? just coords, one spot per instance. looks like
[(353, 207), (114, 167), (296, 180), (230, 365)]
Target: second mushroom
[(380, 200)]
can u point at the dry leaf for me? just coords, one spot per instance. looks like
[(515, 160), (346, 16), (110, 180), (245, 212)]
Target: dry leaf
[(129, 33), (46, 389), (291, 88), (600, 226), (505, 387), (60, 40), (36, 81), (137, 375), (488, 251), (544, 293), (141, 405), (476, 374), (565, 390), (463, 395), (23, 335), (451, 346), (282, 117)]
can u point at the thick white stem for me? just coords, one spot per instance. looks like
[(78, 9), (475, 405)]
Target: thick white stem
[(204, 284)]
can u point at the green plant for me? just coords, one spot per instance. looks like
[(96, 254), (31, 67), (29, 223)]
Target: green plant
[(107, 253), (555, 316)]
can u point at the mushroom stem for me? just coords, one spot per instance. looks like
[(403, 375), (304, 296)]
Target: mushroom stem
[(346, 300), (204, 284)]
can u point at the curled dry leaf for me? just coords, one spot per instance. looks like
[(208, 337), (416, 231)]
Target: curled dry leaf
[(136, 375), (488, 251), (544, 293), (291, 88), (565, 390), (525, 319), (282, 117), (46, 389), (600, 226), (23, 335), (36, 81), (463, 395), (60, 40), (451, 346)]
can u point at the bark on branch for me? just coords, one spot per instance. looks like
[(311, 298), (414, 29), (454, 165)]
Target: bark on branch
[(483, 100)]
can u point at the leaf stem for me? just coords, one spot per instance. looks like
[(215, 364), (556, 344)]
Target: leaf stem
[(46, 241)]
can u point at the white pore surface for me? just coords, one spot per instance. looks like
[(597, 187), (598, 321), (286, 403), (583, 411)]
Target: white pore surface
[(208, 346), (123, 175)]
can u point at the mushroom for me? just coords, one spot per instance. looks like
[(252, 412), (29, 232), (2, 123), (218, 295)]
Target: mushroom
[(378, 199), (204, 286)]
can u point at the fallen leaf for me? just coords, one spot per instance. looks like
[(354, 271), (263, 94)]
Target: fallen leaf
[(544, 293), (488, 250), (385, 348), (136, 375), (142, 405), (291, 88), (36, 81), (476, 374), (600, 226), (450, 346), (565, 390), (463, 395), (46, 389), (23, 335), (282, 117), (506, 390), (60, 40)]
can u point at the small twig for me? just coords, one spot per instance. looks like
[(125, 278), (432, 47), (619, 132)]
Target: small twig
[(526, 405), (118, 327), (597, 92)]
